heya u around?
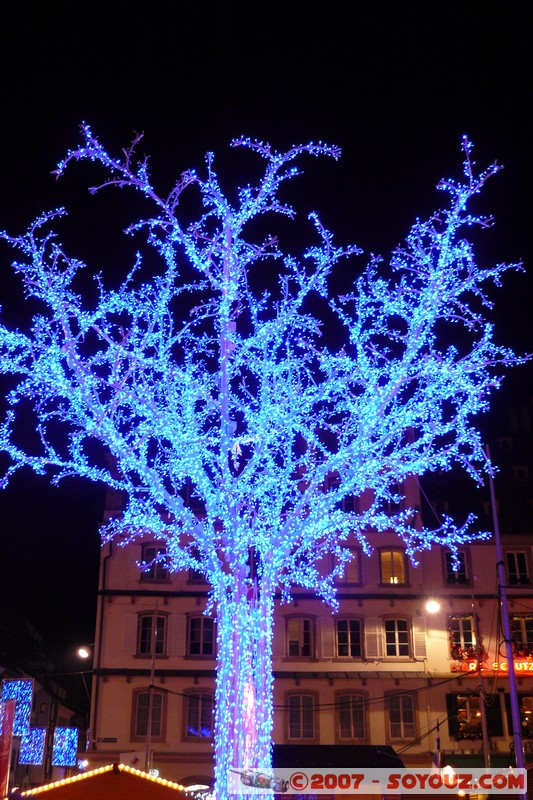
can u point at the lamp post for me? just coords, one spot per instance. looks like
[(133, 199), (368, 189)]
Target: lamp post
[(502, 590)]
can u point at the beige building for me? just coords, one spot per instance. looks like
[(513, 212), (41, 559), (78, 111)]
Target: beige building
[(379, 670)]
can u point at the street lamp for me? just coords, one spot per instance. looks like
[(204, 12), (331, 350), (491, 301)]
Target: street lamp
[(432, 606)]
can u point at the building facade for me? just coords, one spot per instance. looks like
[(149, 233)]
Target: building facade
[(380, 669)]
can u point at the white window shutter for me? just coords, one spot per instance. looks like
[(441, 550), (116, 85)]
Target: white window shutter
[(419, 637), (177, 635), (129, 644), (278, 641), (327, 637), (373, 638)]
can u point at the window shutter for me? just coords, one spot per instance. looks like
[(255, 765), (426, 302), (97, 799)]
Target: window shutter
[(129, 643), (451, 710), (419, 637), (177, 634), (373, 638), (278, 641), (327, 637)]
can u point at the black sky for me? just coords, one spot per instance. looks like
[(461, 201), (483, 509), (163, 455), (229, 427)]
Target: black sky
[(396, 85)]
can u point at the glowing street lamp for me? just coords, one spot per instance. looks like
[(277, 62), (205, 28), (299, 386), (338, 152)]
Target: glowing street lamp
[(432, 606)]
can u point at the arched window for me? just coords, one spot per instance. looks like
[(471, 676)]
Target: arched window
[(300, 637), (393, 567), (152, 634), (301, 717), (199, 716), (145, 710), (351, 722), (201, 639), (348, 638), (397, 638)]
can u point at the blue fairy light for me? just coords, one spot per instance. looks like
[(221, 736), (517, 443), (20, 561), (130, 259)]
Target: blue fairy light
[(65, 747), (20, 690), (32, 746), (226, 414)]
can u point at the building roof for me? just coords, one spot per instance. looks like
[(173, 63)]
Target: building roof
[(115, 781)]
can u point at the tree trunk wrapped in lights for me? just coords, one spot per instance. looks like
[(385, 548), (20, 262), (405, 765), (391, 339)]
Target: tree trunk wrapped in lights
[(193, 378)]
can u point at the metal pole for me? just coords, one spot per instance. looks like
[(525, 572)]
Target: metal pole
[(147, 755), (482, 705), (502, 592)]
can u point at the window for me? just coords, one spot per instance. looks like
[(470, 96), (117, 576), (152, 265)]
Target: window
[(151, 635), (300, 637), (195, 576), (155, 559), (401, 717), (522, 634), (393, 567), (464, 716), (526, 715), (397, 638), (142, 713), (517, 568), (351, 716), (200, 707), (468, 718), (462, 638), (456, 573), (350, 502), (201, 636), (352, 568), (392, 504), (349, 638), (301, 716)]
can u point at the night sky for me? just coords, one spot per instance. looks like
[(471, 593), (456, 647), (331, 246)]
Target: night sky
[(396, 85)]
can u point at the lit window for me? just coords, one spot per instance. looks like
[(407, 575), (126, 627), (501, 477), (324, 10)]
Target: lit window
[(351, 716), (393, 568), (522, 634), (397, 638), (154, 557), (349, 638), (200, 715), (401, 717), (464, 716), (201, 636), (468, 717), (517, 568), (462, 637), (301, 716), (151, 635), (142, 712), (526, 715), (455, 571), (300, 637)]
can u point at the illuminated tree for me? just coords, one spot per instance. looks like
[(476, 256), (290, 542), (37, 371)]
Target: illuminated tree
[(198, 384)]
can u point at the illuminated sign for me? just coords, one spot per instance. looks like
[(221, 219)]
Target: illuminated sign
[(496, 666)]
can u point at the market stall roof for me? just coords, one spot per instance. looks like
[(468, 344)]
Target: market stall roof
[(115, 781)]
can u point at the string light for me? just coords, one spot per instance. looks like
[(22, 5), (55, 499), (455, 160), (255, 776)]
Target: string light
[(100, 771), (32, 746), (65, 747), (20, 690), (197, 386)]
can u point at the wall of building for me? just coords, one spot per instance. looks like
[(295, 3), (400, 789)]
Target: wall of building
[(381, 645)]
